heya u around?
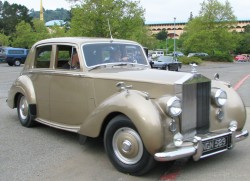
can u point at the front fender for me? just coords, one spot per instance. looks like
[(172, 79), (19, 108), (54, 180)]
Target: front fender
[(143, 112), (234, 109), (24, 86)]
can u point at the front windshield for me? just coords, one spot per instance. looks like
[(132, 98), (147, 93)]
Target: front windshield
[(105, 53), (165, 59)]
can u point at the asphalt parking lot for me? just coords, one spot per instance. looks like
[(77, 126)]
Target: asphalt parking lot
[(44, 153)]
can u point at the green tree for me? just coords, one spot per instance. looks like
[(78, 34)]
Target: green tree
[(11, 15), (24, 36), (58, 31), (244, 45), (247, 29), (4, 40), (91, 18), (162, 35), (210, 31), (40, 30)]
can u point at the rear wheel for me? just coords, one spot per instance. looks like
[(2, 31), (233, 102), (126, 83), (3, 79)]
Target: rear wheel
[(17, 62), (125, 148), (23, 111)]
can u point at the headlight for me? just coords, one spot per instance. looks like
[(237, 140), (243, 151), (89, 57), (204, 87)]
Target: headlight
[(174, 107), (220, 97)]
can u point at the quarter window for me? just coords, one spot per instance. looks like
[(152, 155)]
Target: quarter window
[(43, 56)]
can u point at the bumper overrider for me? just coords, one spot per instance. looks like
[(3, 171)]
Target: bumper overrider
[(202, 146)]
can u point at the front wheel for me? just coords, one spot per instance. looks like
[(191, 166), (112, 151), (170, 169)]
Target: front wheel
[(23, 112), (10, 64), (125, 148)]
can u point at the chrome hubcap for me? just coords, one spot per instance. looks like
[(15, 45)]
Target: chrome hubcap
[(127, 145), (23, 108)]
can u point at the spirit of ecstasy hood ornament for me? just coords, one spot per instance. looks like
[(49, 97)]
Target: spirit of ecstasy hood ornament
[(194, 65)]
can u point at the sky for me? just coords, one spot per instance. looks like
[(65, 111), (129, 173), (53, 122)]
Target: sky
[(156, 11)]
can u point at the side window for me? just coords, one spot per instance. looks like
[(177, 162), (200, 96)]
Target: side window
[(16, 52), (67, 57), (43, 55), (63, 56)]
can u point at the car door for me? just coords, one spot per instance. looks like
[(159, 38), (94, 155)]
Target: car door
[(69, 90), (40, 77)]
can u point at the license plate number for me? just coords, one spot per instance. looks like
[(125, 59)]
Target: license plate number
[(215, 144)]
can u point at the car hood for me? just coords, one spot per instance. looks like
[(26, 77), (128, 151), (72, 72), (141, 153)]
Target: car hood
[(155, 82), (140, 75)]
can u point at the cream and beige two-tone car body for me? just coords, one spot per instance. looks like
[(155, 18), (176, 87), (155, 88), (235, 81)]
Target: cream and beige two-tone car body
[(144, 115)]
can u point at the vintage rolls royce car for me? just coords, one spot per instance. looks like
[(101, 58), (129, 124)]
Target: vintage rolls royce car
[(110, 91)]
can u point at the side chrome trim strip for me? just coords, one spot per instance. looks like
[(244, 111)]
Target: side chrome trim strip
[(73, 129)]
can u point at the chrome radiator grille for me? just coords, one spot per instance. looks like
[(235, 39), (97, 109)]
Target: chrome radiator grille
[(196, 108)]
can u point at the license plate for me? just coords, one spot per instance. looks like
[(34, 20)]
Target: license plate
[(216, 144)]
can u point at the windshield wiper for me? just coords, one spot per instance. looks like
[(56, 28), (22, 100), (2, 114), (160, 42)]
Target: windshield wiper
[(123, 64), (96, 67)]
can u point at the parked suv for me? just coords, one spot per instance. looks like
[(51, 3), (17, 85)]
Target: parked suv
[(14, 56)]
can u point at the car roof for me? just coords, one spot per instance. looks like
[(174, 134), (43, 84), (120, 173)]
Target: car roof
[(81, 40)]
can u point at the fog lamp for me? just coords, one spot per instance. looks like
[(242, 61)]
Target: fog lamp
[(220, 114), (233, 125), (178, 139), (172, 125)]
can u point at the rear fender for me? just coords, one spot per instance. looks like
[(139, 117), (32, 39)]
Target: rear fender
[(24, 86)]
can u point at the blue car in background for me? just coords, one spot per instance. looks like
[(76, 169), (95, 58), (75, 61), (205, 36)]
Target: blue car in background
[(13, 56)]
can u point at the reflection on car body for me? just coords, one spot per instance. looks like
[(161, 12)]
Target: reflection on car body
[(143, 115)]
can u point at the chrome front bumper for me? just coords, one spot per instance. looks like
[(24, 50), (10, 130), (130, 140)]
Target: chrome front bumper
[(195, 147)]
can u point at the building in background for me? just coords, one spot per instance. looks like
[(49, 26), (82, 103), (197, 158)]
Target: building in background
[(177, 28)]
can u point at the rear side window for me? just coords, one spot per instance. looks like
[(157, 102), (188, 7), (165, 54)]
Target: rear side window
[(43, 56), (16, 52)]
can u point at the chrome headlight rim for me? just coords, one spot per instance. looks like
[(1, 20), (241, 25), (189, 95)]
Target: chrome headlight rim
[(220, 97), (173, 107)]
